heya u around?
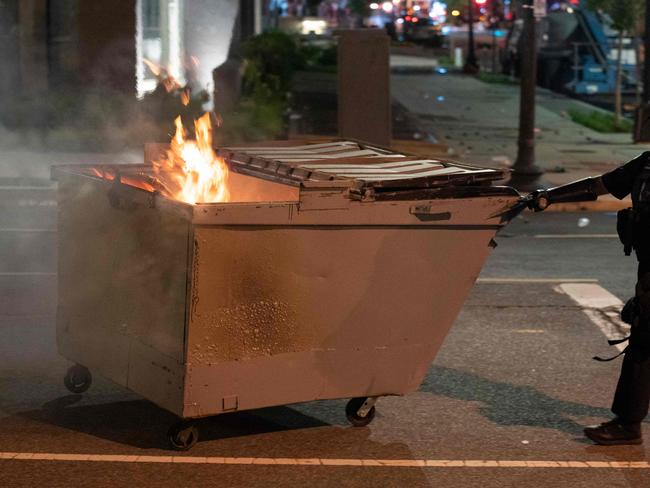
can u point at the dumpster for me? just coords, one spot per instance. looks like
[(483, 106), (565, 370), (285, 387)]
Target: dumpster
[(334, 270)]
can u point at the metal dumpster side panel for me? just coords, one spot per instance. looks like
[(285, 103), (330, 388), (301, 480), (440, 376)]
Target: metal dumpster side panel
[(122, 288), (479, 211), (290, 313)]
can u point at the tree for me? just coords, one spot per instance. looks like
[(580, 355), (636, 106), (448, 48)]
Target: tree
[(624, 15)]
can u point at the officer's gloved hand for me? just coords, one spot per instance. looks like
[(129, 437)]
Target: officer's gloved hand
[(537, 200)]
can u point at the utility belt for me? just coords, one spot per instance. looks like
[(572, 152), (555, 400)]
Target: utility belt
[(633, 228), (639, 329), (630, 314)]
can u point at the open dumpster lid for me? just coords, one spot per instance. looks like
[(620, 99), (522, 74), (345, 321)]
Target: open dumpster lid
[(351, 163)]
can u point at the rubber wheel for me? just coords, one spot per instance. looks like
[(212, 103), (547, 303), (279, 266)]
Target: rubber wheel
[(183, 435), (354, 418), (78, 379)]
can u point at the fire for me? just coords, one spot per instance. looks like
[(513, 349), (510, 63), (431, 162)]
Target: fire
[(192, 171), (164, 77)]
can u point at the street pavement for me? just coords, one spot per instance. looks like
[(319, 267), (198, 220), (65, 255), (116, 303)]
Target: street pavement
[(503, 404), (479, 122)]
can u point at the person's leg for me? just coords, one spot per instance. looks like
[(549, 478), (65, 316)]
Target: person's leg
[(632, 397)]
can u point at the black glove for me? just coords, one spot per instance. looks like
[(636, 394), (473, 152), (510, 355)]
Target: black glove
[(537, 200)]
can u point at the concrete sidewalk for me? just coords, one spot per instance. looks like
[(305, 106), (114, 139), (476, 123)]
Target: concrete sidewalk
[(479, 123)]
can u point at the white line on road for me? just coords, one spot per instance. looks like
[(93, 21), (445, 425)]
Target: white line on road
[(576, 236), (18, 229), (26, 273), (600, 306), (366, 463), (536, 280)]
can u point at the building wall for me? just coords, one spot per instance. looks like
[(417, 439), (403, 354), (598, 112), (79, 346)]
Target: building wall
[(107, 50), (10, 67)]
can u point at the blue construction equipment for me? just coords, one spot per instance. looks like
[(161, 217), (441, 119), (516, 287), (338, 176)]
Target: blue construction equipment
[(577, 51)]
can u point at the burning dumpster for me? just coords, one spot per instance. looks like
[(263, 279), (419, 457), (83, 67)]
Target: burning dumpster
[(327, 270)]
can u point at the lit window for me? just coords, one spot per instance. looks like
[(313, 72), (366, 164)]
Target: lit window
[(159, 40)]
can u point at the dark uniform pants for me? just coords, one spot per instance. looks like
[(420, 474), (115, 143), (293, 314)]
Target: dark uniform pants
[(632, 396)]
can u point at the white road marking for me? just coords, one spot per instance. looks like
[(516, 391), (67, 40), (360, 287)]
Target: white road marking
[(536, 280), (600, 306), (18, 229), (366, 463), (26, 273), (576, 236)]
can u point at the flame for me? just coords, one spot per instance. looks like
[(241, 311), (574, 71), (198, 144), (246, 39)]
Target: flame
[(155, 69), (163, 75), (185, 97), (192, 171)]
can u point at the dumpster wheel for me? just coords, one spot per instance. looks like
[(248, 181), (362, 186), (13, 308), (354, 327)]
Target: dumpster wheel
[(360, 411), (183, 435), (78, 379)]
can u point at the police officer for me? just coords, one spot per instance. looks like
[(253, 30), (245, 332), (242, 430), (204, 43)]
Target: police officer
[(632, 396)]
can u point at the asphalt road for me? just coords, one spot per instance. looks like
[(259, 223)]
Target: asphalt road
[(503, 404)]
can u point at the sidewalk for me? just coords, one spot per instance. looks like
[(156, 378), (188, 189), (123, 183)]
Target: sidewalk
[(479, 122)]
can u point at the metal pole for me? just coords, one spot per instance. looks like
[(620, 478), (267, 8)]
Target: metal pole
[(526, 173), (642, 119), (471, 64)]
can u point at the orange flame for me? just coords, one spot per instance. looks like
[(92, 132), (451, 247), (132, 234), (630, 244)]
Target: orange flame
[(163, 75), (185, 97), (193, 171)]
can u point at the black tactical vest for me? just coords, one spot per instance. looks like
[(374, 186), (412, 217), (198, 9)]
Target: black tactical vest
[(634, 223)]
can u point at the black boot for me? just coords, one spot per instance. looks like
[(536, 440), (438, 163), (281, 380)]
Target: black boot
[(615, 433)]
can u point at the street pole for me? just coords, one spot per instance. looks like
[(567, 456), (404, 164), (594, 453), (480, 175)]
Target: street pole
[(471, 64), (646, 56), (642, 119), (526, 173)]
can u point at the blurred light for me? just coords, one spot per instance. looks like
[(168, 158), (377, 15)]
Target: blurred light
[(416, 8), (396, 2), (414, 20), (499, 33), (387, 7), (455, 13), (446, 29), (374, 6), (442, 71), (569, 10), (317, 26), (480, 2), (438, 9), (440, 98), (400, 21)]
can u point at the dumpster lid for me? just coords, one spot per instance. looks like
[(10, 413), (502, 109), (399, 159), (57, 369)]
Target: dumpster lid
[(351, 163)]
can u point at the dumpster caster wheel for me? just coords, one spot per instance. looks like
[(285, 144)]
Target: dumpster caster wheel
[(360, 411), (183, 435), (77, 379)]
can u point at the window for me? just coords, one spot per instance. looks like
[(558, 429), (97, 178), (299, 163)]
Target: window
[(159, 41)]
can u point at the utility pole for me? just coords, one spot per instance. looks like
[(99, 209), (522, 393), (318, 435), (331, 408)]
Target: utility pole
[(471, 64), (642, 119), (526, 173)]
